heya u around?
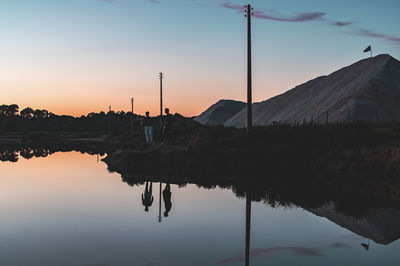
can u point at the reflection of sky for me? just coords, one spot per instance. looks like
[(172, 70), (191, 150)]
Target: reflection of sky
[(58, 54), (67, 209)]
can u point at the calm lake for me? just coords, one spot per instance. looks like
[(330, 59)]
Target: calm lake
[(67, 209)]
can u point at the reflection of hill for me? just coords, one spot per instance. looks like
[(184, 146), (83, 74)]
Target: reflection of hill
[(379, 225), (365, 216)]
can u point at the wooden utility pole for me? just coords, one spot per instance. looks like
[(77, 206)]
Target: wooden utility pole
[(131, 116), (109, 120), (161, 97), (249, 13), (326, 117)]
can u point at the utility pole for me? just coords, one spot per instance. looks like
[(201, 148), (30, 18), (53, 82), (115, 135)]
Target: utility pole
[(249, 13), (326, 117), (161, 98), (131, 116), (109, 120)]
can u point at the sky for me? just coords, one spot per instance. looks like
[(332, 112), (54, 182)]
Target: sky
[(80, 56)]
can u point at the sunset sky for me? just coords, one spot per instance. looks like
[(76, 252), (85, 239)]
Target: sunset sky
[(78, 56)]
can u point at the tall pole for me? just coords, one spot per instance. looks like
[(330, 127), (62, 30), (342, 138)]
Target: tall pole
[(132, 105), (249, 13), (249, 81), (161, 97)]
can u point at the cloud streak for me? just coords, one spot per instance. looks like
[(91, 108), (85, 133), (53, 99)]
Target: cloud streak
[(313, 16), (375, 35), (120, 2), (342, 23), (299, 17), (271, 15)]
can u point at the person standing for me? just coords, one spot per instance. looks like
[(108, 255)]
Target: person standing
[(167, 124), (148, 128)]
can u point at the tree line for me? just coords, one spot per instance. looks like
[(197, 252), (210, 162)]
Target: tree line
[(37, 120)]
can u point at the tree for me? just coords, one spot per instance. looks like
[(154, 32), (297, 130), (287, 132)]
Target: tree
[(12, 110), (3, 110), (26, 113), (40, 114)]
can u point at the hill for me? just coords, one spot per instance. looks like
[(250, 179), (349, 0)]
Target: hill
[(220, 112), (368, 90)]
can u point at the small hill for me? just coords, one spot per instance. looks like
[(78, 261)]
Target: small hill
[(368, 90), (220, 112)]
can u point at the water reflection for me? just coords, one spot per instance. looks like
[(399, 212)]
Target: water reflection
[(167, 199), (11, 153), (380, 224), (248, 222), (147, 196)]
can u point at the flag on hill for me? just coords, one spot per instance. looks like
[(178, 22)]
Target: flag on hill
[(368, 49)]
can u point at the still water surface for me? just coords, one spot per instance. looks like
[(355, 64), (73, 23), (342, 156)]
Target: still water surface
[(67, 209)]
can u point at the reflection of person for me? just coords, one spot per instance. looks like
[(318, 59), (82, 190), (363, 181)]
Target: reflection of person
[(147, 197), (148, 129), (167, 199)]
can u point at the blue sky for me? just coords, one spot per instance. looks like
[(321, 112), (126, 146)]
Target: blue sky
[(58, 54)]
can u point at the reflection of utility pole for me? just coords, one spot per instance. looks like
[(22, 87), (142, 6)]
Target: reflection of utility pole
[(248, 220), (159, 206), (249, 13), (161, 98)]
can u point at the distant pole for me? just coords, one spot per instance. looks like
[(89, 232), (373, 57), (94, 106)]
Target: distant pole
[(131, 122), (161, 98), (326, 117), (249, 13), (370, 51), (109, 120)]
